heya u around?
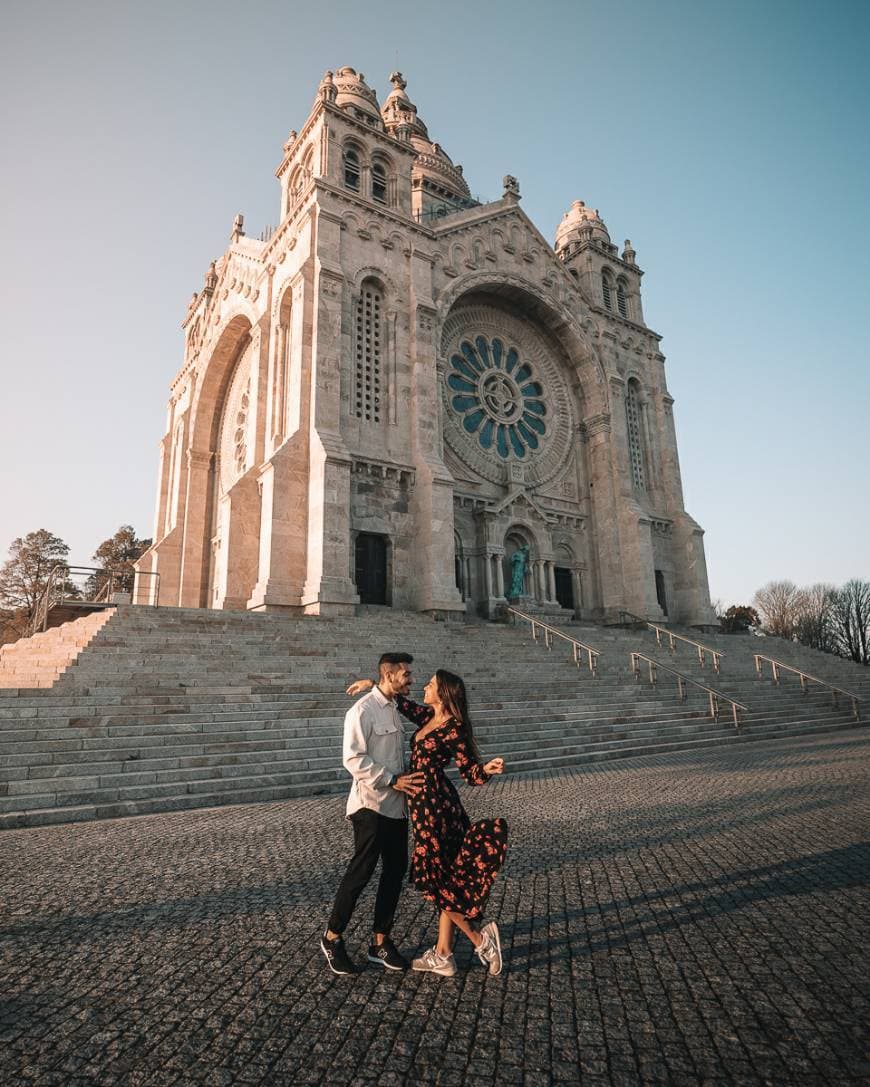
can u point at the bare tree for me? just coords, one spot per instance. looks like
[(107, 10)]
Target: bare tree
[(850, 609), (814, 625), (779, 604)]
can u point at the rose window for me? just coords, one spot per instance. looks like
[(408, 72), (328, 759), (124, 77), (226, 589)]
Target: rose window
[(496, 395)]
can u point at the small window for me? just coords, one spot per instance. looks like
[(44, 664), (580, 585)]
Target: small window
[(605, 290), (379, 183), (621, 300), (351, 170)]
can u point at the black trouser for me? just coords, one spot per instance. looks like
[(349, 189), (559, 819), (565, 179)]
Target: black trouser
[(374, 835)]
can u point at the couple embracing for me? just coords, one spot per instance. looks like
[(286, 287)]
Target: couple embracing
[(454, 862)]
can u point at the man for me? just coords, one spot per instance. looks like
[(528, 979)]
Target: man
[(374, 754)]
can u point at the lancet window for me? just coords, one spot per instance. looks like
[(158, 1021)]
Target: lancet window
[(621, 298), (635, 435), (351, 169), (379, 182), (606, 290), (369, 344)]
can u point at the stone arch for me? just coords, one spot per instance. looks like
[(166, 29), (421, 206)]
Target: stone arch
[(350, 221), (551, 314), (231, 341), (209, 514)]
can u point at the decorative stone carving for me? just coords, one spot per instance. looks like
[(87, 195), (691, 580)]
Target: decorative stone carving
[(505, 398), (235, 432)]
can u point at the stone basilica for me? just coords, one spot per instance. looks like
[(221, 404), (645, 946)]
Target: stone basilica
[(386, 397)]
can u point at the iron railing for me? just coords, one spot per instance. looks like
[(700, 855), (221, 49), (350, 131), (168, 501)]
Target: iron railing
[(578, 648), (702, 649), (714, 697), (716, 656), (99, 587), (805, 678)]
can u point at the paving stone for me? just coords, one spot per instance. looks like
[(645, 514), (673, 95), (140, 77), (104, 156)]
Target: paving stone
[(676, 919)]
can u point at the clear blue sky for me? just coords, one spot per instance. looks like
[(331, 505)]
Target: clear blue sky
[(729, 141)]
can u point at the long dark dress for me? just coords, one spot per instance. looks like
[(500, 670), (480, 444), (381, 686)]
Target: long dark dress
[(455, 861)]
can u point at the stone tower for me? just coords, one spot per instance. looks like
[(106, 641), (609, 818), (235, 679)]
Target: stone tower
[(387, 396)]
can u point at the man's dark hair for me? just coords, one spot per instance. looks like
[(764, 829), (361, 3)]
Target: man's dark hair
[(388, 661)]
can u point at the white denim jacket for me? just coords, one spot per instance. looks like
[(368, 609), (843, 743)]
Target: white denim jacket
[(374, 751)]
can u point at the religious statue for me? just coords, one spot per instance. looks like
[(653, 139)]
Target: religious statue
[(519, 565)]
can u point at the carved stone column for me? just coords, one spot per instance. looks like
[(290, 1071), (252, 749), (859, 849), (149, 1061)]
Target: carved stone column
[(499, 576), (551, 578), (577, 578), (195, 559), (329, 587), (432, 500)]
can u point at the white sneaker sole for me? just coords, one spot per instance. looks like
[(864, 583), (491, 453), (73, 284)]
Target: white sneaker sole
[(386, 965), (429, 970), (496, 937)]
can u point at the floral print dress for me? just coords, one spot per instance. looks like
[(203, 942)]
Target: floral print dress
[(455, 861)]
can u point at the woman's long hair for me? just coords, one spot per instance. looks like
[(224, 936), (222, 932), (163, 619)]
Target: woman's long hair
[(451, 691)]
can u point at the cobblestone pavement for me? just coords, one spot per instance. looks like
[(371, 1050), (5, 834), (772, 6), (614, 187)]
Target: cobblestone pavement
[(690, 919)]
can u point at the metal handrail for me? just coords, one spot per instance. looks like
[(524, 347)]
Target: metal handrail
[(592, 654), (713, 696), (701, 648), (54, 592), (716, 654), (776, 666)]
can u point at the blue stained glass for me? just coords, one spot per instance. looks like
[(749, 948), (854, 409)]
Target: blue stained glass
[(482, 357), (468, 351), (517, 445), (462, 366), (472, 422), (461, 384), (529, 435)]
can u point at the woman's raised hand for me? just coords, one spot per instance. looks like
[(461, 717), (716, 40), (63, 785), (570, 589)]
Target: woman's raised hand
[(494, 766), (360, 686)]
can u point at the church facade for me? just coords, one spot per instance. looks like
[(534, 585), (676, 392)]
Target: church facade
[(398, 389)]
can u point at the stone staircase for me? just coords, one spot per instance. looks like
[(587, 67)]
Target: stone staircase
[(175, 708), (39, 661)]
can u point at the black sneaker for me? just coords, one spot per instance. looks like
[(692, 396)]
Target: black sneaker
[(336, 956), (386, 955)]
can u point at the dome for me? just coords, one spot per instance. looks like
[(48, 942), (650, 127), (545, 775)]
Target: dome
[(577, 222), (352, 92), (432, 162), (398, 109)]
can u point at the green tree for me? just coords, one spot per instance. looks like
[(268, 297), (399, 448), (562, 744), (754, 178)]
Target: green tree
[(24, 575), (115, 557), (739, 617)]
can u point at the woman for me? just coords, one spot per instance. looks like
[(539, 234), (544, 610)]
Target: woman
[(454, 861)]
